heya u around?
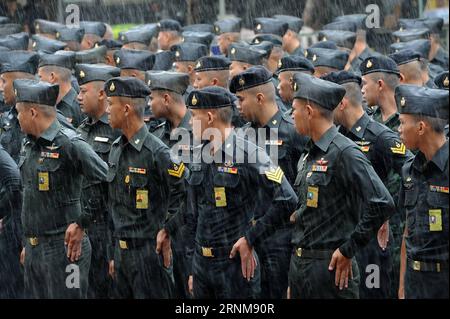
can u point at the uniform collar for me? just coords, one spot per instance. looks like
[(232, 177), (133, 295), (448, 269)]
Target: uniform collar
[(50, 134), (360, 126), (69, 97), (185, 121), (103, 119), (324, 142), (440, 159), (137, 141), (275, 120), (392, 118), (228, 145)]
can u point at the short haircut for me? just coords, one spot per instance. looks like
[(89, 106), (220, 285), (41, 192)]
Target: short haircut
[(412, 71), (325, 113), (391, 80), (353, 93), (436, 124), (65, 75), (224, 114), (138, 104)]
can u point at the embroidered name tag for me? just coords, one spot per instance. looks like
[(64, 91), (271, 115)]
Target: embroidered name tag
[(101, 139), (274, 142)]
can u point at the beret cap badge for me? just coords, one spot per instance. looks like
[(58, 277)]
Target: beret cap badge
[(194, 100), (112, 87)]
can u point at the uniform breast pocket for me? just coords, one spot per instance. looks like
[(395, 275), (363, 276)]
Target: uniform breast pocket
[(101, 148), (437, 218), (195, 177), (411, 197), (226, 191), (317, 185), (50, 175)]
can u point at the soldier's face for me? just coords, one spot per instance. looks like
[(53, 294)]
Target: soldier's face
[(157, 104), (409, 131), (8, 92), (300, 116), (163, 41), (370, 90), (202, 80), (45, 76), (199, 122), (224, 42), (181, 67), (25, 116), (88, 98), (285, 86), (247, 105), (115, 112)]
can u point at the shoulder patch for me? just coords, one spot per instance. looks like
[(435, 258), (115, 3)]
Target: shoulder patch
[(275, 174), (177, 170), (399, 148)]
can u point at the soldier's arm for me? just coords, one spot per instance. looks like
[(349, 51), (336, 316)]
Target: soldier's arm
[(393, 151), (191, 225), (172, 173), (275, 197), (378, 205)]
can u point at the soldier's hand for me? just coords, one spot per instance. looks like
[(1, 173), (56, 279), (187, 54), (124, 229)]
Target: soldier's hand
[(111, 271), (343, 267), (22, 256), (383, 235), (401, 292), (248, 261), (163, 245), (191, 285), (73, 239), (288, 293), (293, 218)]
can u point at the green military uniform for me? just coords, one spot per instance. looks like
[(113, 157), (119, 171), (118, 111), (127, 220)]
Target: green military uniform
[(52, 169), (342, 202), (222, 202), (146, 193), (94, 197), (424, 195)]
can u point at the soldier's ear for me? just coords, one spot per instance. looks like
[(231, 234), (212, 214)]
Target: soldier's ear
[(402, 78), (101, 95), (210, 117), (214, 82), (260, 98), (166, 99)]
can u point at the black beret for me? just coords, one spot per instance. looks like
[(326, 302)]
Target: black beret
[(91, 56), (411, 34), (379, 63), (325, 45), (4, 20), (70, 34), (335, 59), (127, 87), (341, 26), (246, 54), (342, 77), (199, 28), (45, 26), (189, 51), (170, 81), (17, 41), (379, 39), (63, 61), (265, 46), (272, 38), (41, 43), (434, 24), (164, 60), (441, 80), (32, 91), (419, 100), (204, 38), (134, 59), (110, 44), (270, 26), (252, 77), (421, 46), (345, 39), (94, 27), (212, 63), (19, 61), (405, 56), (10, 28), (231, 25), (326, 94), (4, 49), (295, 63), (295, 24), (141, 35), (86, 73), (169, 25), (211, 97)]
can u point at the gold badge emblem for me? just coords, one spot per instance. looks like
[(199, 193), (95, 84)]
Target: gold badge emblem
[(82, 74), (259, 26), (241, 82), (199, 65), (217, 29), (15, 92), (122, 37), (306, 54), (118, 60), (295, 87), (233, 51), (369, 64), (96, 45), (57, 35), (149, 82), (280, 64), (403, 101), (112, 87), (324, 39), (256, 41), (34, 44), (194, 100), (446, 81), (177, 54), (314, 58)]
